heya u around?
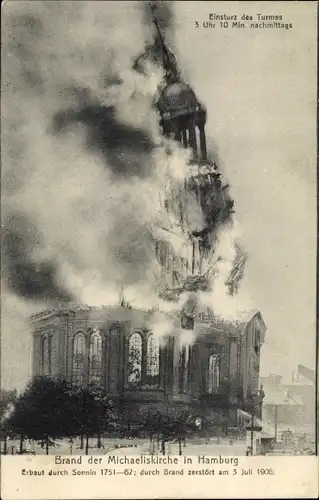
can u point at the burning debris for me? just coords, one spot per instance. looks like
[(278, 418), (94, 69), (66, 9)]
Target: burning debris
[(237, 272), (182, 119)]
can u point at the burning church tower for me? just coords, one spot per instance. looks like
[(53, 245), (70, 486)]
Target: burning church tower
[(183, 119), (117, 347)]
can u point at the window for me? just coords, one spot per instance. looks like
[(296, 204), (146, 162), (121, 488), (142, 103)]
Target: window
[(256, 341), (213, 373), (161, 253), (152, 361), (95, 357), (46, 354), (135, 359), (78, 358)]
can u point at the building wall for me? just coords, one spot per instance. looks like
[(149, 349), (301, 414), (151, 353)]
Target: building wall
[(306, 394), (294, 403), (36, 362), (283, 415)]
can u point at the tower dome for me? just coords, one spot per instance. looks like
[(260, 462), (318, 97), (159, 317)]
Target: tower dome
[(177, 96)]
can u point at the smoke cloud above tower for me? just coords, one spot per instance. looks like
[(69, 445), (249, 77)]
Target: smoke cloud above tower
[(81, 147), (83, 156)]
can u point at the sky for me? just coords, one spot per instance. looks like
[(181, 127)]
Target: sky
[(259, 87), (260, 91)]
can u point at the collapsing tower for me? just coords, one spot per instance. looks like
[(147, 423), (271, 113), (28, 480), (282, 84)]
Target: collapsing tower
[(183, 119)]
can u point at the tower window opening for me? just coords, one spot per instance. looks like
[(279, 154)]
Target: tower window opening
[(184, 138), (186, 369), (213, 373), (192, 140)]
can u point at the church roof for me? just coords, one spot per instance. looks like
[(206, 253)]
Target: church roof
[(207, 322)]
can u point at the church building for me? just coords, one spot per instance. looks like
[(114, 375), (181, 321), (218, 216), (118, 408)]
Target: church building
[(218, 370), (115, 348)]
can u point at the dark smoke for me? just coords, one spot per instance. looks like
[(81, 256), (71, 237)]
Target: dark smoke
[(76, 203), (55, 83), (163, 11), (92, 223), (27, 277), (121, 145)]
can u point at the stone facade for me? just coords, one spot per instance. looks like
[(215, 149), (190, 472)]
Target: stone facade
[(219, 369)]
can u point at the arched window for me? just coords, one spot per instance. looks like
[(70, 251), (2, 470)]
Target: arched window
[(213, 373), (152, 361), (135, 359), (256, 340), (95, 357), (184, 369), (78, 358), (46, 354)]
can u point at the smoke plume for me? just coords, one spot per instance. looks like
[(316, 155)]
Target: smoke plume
[(81, 148), (223, 303)]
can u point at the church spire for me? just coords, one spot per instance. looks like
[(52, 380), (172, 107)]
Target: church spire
[(168, 59)]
